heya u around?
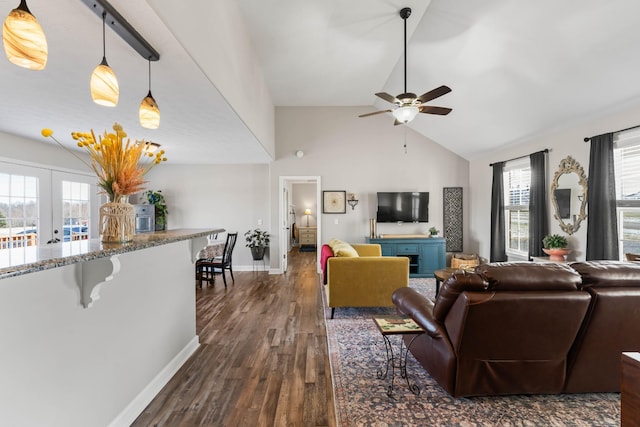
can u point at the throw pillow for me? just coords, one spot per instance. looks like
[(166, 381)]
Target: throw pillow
[(342, 249)]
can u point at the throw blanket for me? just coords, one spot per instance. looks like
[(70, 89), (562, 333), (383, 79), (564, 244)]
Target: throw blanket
[(325, 254)]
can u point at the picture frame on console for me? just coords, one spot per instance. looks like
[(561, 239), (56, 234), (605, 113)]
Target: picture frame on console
[(334, 202)]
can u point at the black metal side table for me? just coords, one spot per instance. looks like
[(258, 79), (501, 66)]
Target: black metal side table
[(399, 326)]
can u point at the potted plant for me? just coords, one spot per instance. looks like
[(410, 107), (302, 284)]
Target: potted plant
[(433, 231), (156, 198), (555, 246), (257, 240)]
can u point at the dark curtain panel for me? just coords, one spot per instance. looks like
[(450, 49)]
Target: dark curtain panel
[(538, 218), (498, 252), (602, 222)]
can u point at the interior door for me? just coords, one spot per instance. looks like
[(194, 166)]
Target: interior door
[(286, 229)]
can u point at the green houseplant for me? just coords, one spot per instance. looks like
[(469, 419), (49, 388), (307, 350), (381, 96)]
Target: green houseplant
[(156, 198), (433, 231), (257, 240), (555, 241), (555, 246)]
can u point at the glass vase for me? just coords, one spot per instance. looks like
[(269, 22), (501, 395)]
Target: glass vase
[(117, 220)]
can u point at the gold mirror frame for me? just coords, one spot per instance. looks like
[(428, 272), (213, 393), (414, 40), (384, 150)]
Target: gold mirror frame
[(569, 165)]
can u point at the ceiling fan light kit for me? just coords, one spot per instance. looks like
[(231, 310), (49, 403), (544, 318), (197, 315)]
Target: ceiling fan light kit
[(24, 41), (405, 114), (407, 104)]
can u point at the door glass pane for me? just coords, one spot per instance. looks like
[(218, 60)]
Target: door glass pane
[(75, 210), (18, 211)]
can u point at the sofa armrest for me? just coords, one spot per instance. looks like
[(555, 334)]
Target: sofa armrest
[(409, 302)]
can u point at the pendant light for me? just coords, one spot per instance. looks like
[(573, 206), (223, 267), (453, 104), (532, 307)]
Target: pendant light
[(104, 84), (24, 40), (149, 112)]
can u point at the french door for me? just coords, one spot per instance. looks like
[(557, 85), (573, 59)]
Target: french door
[(39, 205)]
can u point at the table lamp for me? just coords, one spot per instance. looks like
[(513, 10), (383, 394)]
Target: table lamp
[(307, 212)]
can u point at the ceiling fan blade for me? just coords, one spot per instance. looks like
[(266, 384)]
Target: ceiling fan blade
[(441, 111), (433, 94), (389, 98), (374, 113)]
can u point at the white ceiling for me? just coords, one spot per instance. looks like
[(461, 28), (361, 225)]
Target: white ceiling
[(517, 69)]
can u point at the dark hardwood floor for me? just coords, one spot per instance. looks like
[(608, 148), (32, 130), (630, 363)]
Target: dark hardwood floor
[(262, 359)]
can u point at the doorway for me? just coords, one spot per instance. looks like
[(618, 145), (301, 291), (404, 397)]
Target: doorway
[(292, 214)]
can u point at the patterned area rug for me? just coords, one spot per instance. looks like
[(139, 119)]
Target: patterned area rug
[(357, 352)]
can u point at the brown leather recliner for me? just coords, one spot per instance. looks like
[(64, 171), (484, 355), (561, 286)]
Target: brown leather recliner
[(611, 326), (506, 329)]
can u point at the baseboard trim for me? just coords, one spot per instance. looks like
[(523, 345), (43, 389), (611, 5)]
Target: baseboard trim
[(142, 400)]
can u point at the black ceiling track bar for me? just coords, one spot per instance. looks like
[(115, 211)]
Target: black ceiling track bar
[(122, 27)]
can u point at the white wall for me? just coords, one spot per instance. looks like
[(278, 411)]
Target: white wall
[(562, 143), (363, 156), (41, 151), (213, 32), (234, 197)]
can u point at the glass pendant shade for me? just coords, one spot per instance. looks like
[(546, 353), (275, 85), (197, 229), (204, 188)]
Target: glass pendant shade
[(405, 114), (149, 113), (24, 40), (104, 85)]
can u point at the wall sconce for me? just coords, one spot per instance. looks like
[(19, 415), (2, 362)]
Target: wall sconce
[(307, 213), (352, 201)]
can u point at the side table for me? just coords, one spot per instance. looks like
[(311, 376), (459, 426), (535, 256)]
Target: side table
[(442, 275), (400, 326)]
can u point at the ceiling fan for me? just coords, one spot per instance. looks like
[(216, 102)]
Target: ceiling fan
[(408, 104)]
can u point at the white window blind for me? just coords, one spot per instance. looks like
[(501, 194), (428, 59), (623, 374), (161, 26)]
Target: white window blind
[(626, 155), (517, 183)]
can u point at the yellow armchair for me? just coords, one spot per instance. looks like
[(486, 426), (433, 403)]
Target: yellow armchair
[(367, 280)]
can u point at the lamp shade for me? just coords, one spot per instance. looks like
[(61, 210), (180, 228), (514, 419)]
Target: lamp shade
[(307, 211), (405, 114), (149, 113), (24, 40), (104, 85)]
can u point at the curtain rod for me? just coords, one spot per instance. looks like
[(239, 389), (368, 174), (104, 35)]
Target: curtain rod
[(546, 150), (588, 138)]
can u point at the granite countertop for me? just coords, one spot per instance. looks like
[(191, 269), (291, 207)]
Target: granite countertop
[(30, 259)]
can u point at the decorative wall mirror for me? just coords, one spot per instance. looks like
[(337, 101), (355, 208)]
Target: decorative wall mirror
[(569, 195)]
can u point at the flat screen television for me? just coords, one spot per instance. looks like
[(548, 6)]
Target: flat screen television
[(403, 206)]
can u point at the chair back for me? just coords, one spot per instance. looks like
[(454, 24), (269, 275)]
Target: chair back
[(228, 247)]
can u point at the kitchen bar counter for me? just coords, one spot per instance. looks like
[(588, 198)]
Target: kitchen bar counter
[(29, 259), (91, 332)]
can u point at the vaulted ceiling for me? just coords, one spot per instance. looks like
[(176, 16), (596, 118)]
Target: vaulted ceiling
[(517, 69)]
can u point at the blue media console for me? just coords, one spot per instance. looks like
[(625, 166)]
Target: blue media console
[(426, 254)]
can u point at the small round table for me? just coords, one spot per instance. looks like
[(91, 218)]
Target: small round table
[(442, 275)]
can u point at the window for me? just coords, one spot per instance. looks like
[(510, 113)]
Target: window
[(517, 181), (627, 170)]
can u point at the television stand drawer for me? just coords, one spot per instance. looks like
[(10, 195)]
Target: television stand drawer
[(406, 249)]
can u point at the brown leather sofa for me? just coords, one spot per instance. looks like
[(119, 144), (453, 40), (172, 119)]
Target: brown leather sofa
[(527, 328), (611, 326)]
